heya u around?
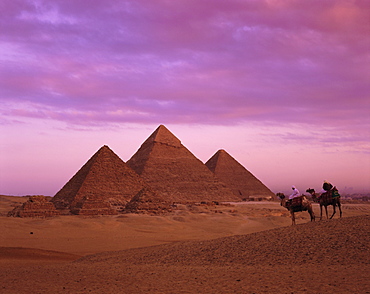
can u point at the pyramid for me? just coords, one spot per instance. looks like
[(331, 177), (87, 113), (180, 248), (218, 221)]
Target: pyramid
[(243, 184), (36, 206), (171, 169), (103, 185)]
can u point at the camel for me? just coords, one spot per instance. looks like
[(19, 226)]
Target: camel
[(303, 206), (326, 199)]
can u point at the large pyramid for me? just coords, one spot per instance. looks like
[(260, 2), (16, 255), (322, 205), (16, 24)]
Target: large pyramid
[(237, 177), (102, 186), (171, 169)]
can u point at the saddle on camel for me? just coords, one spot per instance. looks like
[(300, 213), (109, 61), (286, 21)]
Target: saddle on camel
[(296, 204)]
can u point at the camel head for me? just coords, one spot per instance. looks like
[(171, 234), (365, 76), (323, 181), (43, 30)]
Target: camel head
[(313, 194), (311, 191), (281, 196)]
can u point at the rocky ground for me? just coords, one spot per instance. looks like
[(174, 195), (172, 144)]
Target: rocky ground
[(249, 248)]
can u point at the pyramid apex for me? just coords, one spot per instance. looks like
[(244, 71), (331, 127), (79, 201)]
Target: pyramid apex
[(162, 128), (224, 154), (212, 162), (164, 136), (104, 148)]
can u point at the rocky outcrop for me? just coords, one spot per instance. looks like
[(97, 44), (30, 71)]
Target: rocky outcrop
[(36, 206)]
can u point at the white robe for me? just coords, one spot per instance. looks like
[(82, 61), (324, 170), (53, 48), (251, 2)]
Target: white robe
[(294, 194)]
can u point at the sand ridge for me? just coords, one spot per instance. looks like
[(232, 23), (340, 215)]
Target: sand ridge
[(245, 247), (272, 261), (310, 243), (31, 254)]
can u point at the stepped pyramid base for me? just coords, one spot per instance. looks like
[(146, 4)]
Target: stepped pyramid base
[(93, 207), (144, 202), (36, 206)]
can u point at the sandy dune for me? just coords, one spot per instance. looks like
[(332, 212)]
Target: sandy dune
[(12, 254), (240, 248)]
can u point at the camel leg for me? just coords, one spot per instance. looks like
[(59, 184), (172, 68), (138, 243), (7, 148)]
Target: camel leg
[(312, 214), (293, 217), (340, 209), (320, 212), (334, 211), (326, 211)]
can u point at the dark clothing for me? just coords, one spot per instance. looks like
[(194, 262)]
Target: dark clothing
[(327, 186)]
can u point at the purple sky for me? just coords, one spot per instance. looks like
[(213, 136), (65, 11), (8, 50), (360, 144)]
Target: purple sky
[(282, 85)]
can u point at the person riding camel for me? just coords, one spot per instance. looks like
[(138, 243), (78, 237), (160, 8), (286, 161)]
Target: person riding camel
[(293, 195), (326, 187), (329, 189)]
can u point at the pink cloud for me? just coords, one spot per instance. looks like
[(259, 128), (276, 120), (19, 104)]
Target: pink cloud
[(199, 62)]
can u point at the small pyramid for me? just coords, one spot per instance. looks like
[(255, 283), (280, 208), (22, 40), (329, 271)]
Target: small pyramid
[(243, 183), (103, 185), (171, 169), (36, 206)]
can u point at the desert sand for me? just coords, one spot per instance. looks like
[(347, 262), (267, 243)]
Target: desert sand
[(247, 247)]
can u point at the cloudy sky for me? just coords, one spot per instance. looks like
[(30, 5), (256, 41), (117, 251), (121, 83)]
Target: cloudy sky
[(282, 85)]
